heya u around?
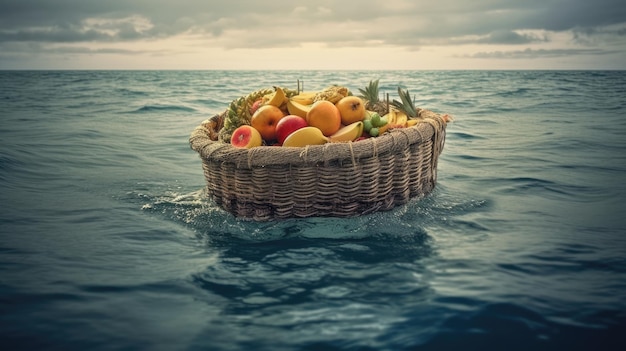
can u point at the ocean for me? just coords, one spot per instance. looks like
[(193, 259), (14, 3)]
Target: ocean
[(108, 241)]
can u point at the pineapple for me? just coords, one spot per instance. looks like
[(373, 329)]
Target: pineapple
[(372, 102), (406, 105)]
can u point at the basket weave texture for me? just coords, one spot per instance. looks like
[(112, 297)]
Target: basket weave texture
[(330, 180)]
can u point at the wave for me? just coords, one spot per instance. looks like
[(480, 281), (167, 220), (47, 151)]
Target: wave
[(8, 165), (210, 102), (513, 93), (130, 92), (163, 108), (493, 324), (462, 135), (548, 189)]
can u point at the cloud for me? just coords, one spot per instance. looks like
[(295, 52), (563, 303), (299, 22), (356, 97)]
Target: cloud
[(511, 37), (78, 20), (538, 53), (615, 33), (247, 24), (88, 29), (30, 48)]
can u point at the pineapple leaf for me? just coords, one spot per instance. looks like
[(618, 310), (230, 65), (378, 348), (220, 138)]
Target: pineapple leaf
[(406, 105), (370, 93)]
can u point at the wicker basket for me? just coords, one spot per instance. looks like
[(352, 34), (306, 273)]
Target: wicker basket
[(334, 179)]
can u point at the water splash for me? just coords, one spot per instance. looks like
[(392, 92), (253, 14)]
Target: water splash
[(197, 211)]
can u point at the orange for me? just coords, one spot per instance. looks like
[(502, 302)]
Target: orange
[(325, 116)]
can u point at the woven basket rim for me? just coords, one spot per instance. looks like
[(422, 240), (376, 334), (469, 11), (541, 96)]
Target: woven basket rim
[(397, 139)]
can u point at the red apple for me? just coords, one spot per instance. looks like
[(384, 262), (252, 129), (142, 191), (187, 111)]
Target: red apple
[(265, 119), (246, 137), (255, 106), (288, 125)]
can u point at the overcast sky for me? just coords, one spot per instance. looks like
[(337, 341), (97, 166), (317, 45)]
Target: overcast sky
[(279, 34)]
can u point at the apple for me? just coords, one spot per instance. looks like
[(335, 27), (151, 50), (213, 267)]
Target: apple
[(288, 125), (265, 119), (255, 106), (246, 137)]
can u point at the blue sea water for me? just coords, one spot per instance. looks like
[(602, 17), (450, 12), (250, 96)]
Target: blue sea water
[(108, 242)]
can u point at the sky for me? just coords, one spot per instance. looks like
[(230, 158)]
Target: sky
[(306, 35)]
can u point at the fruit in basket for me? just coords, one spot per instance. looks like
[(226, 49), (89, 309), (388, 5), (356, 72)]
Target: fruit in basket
[(333, 94), (412, 122), (246, 137), (401, 119), (391, 116), (395, 119), (406, 105), (305, 136), (304, 98), (372, 100), (375, 125), (288, 125), (367, 124), (265, 119), (296, 108), (277, 98), (351, 132), (255, 106), (376, 119), (351, 108), (325, 116), (238, 113), (383, 125)]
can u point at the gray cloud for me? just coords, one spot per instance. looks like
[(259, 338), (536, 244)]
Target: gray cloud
[(28, 48), (281, 23), (20, 17), (538, 53), (511, 38)]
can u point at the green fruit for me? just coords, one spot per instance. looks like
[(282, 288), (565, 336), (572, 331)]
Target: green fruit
[(367, 125), (374, 132), (375, 120), (382, 122)]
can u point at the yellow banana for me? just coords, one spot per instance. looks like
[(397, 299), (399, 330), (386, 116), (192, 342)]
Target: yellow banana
[(348, 133), (401, 118), (298, 109), (391, 117), (305, 136), (383, 129), (412, 122), (304, 98), (277, 98)]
